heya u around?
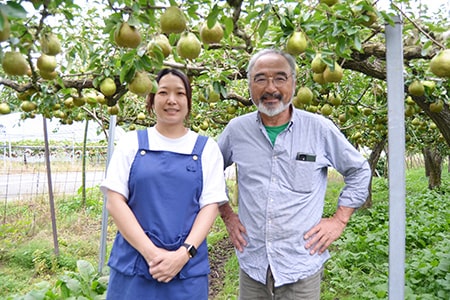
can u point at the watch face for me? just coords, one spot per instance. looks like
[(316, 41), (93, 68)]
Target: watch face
[(192, 251)]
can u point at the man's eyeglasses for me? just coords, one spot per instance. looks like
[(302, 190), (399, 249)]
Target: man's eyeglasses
[(278, 81)]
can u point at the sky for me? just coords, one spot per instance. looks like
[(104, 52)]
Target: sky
[(433, 5), (13, 128)]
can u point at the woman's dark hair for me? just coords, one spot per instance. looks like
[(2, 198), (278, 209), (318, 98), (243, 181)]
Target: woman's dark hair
[(187, 86)]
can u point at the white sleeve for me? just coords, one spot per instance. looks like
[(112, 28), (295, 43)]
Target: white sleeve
[(119, 166), (214, 190)]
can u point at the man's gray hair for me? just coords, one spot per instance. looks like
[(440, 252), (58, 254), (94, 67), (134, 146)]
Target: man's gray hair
[(257, 55)]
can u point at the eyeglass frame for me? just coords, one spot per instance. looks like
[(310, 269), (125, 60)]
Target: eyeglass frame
[(264, 81)]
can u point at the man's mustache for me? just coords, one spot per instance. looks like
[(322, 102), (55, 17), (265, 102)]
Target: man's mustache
[(271, 95)]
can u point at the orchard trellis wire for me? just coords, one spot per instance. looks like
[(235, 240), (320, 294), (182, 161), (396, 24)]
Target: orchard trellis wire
[(23, 172)]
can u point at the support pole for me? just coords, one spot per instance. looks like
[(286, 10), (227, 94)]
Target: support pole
[(396, 139), (104, 230), (50, 188)]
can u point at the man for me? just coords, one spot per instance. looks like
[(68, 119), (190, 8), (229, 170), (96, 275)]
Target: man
[(282, 155)]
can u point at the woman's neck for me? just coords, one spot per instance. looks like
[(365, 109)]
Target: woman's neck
[(171, 131)]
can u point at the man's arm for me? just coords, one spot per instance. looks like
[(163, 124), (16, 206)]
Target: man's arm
[(234, 226)]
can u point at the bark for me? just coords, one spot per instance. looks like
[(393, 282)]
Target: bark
[(373, 161), (434, 160), (426, 164)]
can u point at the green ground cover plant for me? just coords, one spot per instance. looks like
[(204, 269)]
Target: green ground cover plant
[(358, 268)]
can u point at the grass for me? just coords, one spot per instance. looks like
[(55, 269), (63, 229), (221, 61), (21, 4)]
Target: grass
[(26, 243), (358, 268)]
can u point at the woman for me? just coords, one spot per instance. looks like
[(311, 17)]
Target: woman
[(163, 188)]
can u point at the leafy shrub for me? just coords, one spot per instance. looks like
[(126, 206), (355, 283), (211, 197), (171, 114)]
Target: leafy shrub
[(84, 284), (42, 259)]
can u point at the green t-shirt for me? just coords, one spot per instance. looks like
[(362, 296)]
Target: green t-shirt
[(273, 131)]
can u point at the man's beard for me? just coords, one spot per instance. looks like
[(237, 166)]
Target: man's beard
[(271, 110)]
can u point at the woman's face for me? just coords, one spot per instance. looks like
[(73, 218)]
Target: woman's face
[(171, 103)]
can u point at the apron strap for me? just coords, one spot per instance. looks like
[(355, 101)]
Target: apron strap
[(143, 139), (199, 145)]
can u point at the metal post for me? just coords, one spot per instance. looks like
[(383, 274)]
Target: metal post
[(104, 230), (50, 188), (396, 139)]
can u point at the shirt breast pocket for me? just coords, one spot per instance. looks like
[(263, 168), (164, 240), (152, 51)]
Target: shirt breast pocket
[(302, 175)]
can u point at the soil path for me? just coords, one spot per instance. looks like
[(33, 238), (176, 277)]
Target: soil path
[(218, 257)]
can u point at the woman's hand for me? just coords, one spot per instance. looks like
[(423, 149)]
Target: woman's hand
[(167, 264)]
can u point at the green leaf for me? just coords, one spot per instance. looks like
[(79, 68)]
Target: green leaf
[(263, 27), (86, 270), (212, 16), (229, 25), (73, 285), (127, 73), (14, 10), (357, 43)]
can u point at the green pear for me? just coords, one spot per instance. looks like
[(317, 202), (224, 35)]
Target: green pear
[(416, 88), (296, 44), (333, 75), (4, 108), (141, 84), (46, 63), (305, 95), (163, 43), (329, 2), (189, 46), (127, 36), (50, 44), (173, 20), (437, 106), (14, 63), (440, 64), (211, 35), (108, 87), (317, 64)]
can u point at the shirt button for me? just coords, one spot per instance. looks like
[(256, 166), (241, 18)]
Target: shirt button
[(142, 152)]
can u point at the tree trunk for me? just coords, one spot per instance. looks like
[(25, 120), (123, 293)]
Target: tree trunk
[(426, 163), (373, 161), (434, 160)]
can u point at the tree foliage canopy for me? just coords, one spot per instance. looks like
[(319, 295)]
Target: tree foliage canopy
[(349, 33)]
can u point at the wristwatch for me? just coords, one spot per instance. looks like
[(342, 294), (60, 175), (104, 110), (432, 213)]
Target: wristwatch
[(190, 249)]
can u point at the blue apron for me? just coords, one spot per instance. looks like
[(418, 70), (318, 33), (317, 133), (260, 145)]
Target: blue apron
[(164, 192)]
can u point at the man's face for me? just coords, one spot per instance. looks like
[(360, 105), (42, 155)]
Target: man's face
[(271, 84)]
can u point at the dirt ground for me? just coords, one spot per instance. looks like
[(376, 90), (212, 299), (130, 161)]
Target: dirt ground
[(218, 257)]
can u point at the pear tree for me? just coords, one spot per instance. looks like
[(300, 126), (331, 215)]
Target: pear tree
[(339, 47)]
